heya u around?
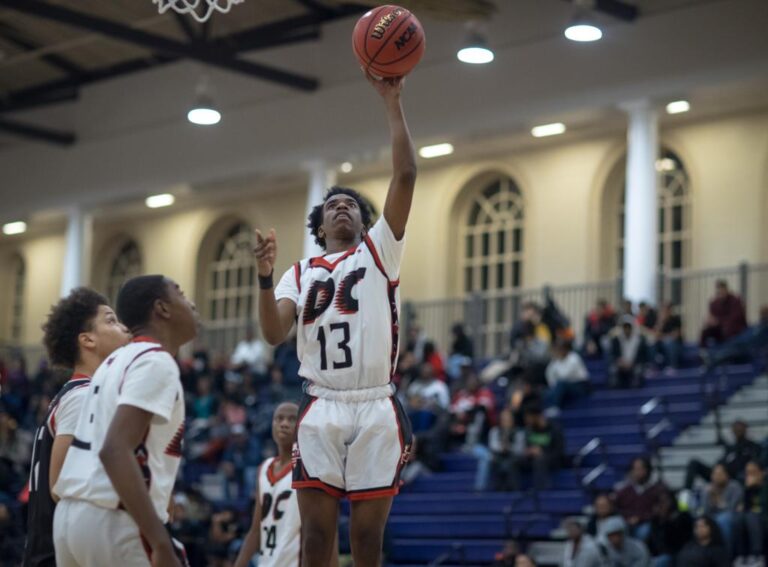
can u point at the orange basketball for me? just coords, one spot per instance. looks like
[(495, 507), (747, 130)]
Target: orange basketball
[(388, 41)]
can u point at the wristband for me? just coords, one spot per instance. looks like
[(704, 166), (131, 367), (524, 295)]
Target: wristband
[(266, 282)]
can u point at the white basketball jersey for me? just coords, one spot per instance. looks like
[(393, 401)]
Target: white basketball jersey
[(280, 523), (347, 312), (143, 375)]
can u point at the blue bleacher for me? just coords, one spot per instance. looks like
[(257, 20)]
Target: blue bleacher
[(439, 514)]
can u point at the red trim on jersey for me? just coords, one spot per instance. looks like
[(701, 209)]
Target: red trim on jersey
[(319, 484), (125, 372), (321, 262), (144, 339), (297, 275), (174, 448), (375, 254), (373, 494), (273, 477), (79, 376)]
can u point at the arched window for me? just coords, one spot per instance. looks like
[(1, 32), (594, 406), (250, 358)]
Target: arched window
[(125, 265), (492, 258), (19, 271), (674, 220), (492, 238), (231, 275)]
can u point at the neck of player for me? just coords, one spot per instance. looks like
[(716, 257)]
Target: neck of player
[(163, 335), (284, 453), (87, 363), (335, 245)]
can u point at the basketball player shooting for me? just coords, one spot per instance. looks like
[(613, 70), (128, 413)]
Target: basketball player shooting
[(353, 436)]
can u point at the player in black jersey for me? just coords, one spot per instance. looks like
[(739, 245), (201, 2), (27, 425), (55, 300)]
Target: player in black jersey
[(81, 331)]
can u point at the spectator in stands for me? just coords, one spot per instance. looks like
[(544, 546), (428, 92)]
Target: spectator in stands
[(15, 451), (427, 397), (406, 372), (524, 395), (530, 344), (638, 497), (241, 459), (544, 450), (707, 548), (473, 413), (727, 317), (506, 443), (744, 346), (598, 324), (735, 458), (602, 509), (752, 523), (286, 360), (204, 403), (17, 388), (524, 561), (251, 354), (722, 499), (619, 549), (224, 530), (580, 550), (462, 344), (567, 376), (646, 316), (668, 349), (629, 354), (626, 308), (416, 340), (670, 530), (432, 356)]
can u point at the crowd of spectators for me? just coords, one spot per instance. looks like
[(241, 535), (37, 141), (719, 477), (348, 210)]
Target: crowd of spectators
[(505, 414)]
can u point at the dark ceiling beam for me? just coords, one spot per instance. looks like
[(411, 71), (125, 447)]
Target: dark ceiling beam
[(29, 103), (186, 27), (154, 42), (57, 137), (615, 8), (316, 7), (13, 36)]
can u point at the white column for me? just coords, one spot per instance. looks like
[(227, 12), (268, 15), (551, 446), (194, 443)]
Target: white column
[(77, 254), (641, 236), (321, 178)]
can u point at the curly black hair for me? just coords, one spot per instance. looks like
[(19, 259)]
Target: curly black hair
[(316, 215), (68, 318), (137, 297)]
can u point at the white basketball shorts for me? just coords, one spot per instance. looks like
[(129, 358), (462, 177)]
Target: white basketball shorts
[(350, 445)]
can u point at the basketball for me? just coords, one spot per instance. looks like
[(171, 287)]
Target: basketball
[(388, 41)]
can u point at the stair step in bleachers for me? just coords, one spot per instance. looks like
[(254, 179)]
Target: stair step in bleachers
[(480, 526)]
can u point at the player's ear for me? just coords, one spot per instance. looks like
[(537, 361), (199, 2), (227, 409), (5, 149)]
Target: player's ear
[(161, 309), (86, 341)]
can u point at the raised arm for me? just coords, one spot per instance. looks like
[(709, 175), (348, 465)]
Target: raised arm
[(275, 317), (398, 203)]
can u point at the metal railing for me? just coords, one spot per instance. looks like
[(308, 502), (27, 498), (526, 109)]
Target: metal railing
[(488, 317), (456, 548), (651, 433), (594, 445)]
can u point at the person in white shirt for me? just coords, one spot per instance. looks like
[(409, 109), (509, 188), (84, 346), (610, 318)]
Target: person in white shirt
[(252, 354), (116, 483), (581, 550), (431, 392), (567, 377), (353, 436)]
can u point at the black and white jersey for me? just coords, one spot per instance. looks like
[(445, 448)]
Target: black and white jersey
[(60, 419)]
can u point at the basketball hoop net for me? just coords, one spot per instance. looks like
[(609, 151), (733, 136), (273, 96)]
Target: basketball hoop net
[(191, 7)]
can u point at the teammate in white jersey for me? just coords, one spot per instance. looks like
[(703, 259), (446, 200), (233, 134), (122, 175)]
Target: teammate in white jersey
[(81, 331), (353, 436), (275, 527), (115, 486)]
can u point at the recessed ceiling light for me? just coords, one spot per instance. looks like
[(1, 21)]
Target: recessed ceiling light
[(346, 167), (436, 150), (548, 130), (158, 201), (17, 227), (475, 51), (583, 32), (678, 107)]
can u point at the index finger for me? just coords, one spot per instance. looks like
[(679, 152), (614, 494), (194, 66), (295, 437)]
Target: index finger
[(259, 237)]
